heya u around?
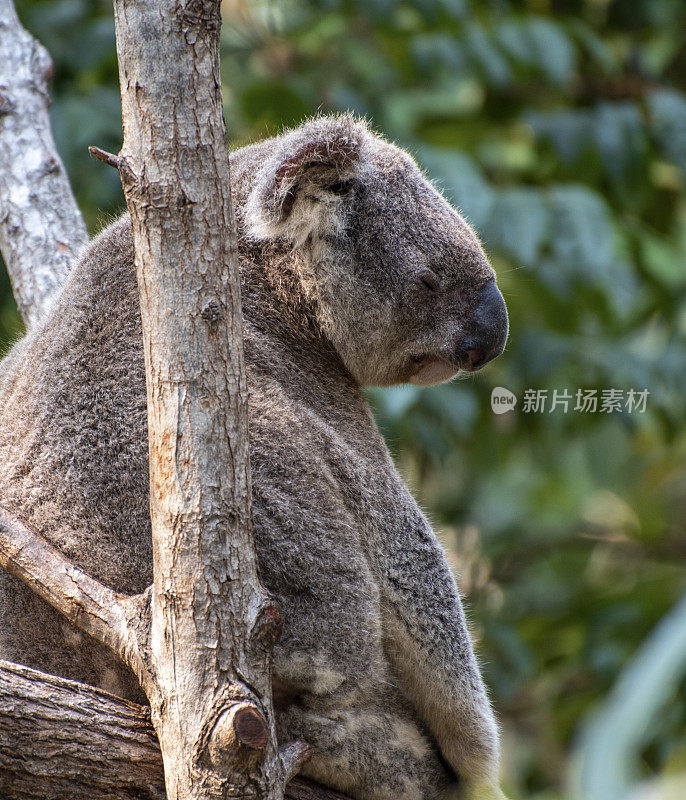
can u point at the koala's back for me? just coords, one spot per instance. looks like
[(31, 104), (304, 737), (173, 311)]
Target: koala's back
[(72, 417), (74, 464)]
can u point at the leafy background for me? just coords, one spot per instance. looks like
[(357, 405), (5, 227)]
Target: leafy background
[(559, 128)]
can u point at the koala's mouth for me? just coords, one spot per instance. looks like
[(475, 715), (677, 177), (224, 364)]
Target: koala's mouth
[(429, 369)]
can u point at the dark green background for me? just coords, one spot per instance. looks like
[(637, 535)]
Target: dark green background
[(559, 128)]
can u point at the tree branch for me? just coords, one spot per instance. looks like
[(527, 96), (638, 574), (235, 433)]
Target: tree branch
[(95, 609), (41, 228), (107, 158), (62, 739), (89, 735)]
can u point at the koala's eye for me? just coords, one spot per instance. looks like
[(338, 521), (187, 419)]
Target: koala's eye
[(428, 279), (340, 188)]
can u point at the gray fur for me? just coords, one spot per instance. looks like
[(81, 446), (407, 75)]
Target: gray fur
[(375, 667)]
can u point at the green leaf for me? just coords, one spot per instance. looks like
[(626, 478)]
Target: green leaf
[(581, 238), (620, 139), (405, 110), (569, 131), (610, 748), (437, 51), (663, 260), (514, 39), (599, 50), (273, 103), (487, 55)]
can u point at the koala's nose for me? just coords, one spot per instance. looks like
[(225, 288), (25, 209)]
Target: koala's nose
[(486, 333)]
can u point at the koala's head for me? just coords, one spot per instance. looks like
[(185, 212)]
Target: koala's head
[(400, 282)]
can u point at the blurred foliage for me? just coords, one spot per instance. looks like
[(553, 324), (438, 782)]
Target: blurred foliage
[(617, 732), (559, 128)]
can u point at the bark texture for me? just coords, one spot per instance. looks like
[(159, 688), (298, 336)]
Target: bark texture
[(41, 228), (116, 620), (63, 740)]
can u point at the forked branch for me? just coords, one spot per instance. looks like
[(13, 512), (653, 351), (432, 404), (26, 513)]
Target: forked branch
[(92, 745), (109, 617)]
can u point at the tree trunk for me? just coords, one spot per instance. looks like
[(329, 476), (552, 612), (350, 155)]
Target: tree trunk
[(41, 228), (212, 626)]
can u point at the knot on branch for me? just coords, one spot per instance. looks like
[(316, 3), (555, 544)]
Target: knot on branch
[(249, 726), (42, 68), (212, 312), (267, 629), (240, 727), (7, 104)]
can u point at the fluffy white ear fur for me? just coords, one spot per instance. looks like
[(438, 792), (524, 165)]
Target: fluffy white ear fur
[(289, 198)]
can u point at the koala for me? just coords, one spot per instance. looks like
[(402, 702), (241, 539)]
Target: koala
[(355, 271)]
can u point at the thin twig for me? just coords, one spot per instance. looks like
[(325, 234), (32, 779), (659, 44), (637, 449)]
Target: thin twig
[(105, 157)]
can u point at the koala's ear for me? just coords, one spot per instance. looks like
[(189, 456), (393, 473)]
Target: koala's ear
[(294, 191)]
